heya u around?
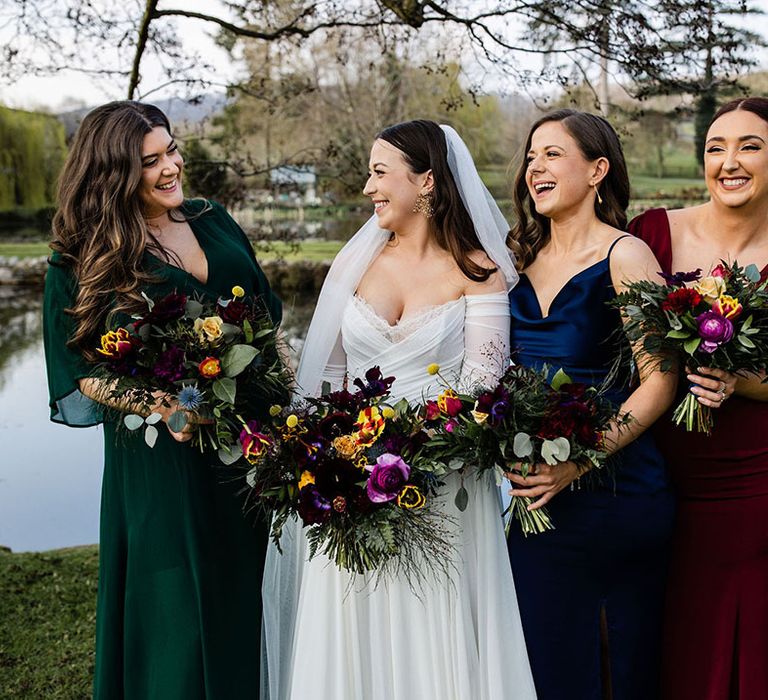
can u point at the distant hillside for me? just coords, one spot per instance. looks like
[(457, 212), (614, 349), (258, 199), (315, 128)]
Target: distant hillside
[(180, 111)]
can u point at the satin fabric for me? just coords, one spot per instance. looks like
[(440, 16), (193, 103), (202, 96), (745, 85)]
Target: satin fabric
[(459, 636), (608, 549), (716, 628)]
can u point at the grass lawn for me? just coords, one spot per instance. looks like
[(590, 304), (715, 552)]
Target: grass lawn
[(47, 623)]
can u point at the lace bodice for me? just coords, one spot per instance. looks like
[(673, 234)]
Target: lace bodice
[(468, 337)]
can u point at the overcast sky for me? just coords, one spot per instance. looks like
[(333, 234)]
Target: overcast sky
[(59, 92)]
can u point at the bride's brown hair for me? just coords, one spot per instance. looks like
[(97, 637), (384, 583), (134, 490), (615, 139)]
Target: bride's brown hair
[(99, 230), (423, 145)]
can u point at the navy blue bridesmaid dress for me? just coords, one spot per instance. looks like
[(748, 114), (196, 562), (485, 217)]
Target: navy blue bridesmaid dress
[(604, 564)]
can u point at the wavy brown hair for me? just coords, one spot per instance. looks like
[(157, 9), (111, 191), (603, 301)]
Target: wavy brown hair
[(424, 148), (99, 230), (596, 138)]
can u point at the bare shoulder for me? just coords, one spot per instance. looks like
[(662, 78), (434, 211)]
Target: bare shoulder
[(632, 260)]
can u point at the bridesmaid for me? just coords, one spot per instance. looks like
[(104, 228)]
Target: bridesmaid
[(716, 632), (590, 591), (178, 611)]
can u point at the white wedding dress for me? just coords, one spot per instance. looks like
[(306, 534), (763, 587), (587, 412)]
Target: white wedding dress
[(460, 638)]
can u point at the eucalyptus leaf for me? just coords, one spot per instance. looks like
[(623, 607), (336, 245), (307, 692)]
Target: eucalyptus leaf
[(554, 451), (692, 345), (752, 273), (559, 379), (747, 324), (263, 332), (462, 499), (250, 477), (325, 388), (679, 334), (522, 445), (746, 342), (150, 302), (153, 418), (144, 332), (193, 309), (228, 457), (225, 389), (177, 421), (237, 358), (230, 331), (150, 435), (133, 421), (248, 330), (455, 464)]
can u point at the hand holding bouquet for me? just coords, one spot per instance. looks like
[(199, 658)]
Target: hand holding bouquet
[(719, 321), (526, 420), (214, 360), (352, 467)]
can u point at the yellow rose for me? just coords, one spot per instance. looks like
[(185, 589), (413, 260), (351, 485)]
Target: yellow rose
[(710, 288), (346, 446), (209, 329), (307, 478)]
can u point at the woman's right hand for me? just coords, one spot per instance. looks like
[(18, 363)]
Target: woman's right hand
[(167, 406)]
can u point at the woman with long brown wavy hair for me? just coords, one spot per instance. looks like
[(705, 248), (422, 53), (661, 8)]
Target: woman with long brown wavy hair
[(716, 632), (596, 581), (180, 569)]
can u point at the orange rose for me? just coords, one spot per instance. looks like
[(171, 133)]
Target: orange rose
[(210, 368)]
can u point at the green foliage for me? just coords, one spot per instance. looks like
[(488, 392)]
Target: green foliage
[(32, 151), (48, 613)]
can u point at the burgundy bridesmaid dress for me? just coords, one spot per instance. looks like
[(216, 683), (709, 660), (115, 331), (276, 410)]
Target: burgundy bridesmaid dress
[(716, 628)]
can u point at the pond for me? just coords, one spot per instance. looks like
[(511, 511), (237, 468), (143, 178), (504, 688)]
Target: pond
[(50, 475)]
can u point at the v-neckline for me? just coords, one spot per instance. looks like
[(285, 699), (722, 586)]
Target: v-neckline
[(562, 289), (195, 278), (423, 311)]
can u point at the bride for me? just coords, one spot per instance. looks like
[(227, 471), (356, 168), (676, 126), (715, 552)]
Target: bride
[(424, 281)]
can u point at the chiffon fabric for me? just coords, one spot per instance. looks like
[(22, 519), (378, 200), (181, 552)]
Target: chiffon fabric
[(716, 629), (178, 611), (459, 636)]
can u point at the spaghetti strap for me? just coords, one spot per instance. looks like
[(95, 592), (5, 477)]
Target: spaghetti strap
[(613, 245)]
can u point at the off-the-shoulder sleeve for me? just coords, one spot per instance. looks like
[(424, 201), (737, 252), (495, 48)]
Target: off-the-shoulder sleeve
[(273, 302), (486, 339), (65, 365)]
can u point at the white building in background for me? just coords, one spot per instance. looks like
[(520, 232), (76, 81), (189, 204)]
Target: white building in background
[(295, 183)]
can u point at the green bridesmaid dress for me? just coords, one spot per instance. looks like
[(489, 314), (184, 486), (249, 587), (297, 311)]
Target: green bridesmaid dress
[(180, 567)]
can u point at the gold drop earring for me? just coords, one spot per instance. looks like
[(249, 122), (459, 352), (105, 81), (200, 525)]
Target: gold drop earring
[(423, 205), (597, 193)]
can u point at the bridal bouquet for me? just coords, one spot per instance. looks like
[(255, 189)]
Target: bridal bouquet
[(719, 321), (352, 467), (525, 419), (216, 359)]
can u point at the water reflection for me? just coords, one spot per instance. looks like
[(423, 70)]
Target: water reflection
[(50, 475)]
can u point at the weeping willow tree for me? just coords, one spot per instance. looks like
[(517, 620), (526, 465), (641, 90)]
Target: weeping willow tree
[(32, 151)]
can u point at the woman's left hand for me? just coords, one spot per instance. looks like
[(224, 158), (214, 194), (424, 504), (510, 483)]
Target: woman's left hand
[(712, 386), (543, 482)]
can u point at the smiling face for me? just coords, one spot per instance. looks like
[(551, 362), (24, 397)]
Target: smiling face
[(558, 176), (736, 159), (393, 187), (160, 189)]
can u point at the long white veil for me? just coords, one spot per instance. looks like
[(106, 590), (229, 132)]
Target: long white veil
[(282, 575)]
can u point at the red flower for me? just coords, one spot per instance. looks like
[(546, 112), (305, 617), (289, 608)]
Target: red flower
[(432, 410), (681, 300)]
